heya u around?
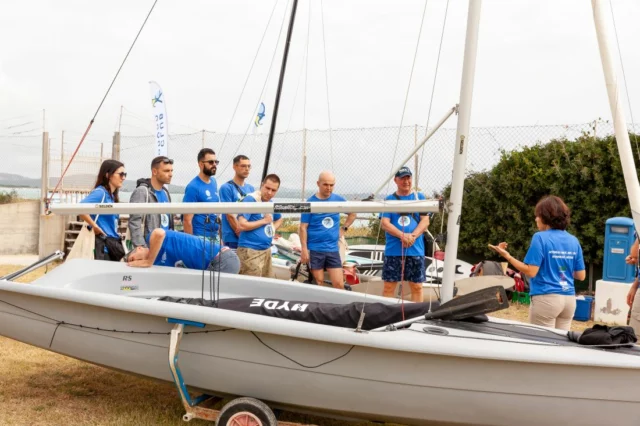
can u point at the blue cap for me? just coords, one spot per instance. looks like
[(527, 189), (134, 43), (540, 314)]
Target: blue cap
[(404, 171)]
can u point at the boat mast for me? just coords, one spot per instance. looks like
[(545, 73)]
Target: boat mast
[(272, 130), (615, 103), (461, 148)]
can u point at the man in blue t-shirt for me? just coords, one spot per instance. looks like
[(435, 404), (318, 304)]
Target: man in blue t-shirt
[(152, 190), (202, 189), (257, 231), (235, 190), (404, 249), (171, 248), (320, 232)]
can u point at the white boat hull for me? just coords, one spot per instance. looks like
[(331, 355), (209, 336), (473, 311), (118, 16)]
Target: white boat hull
[(405, 376)]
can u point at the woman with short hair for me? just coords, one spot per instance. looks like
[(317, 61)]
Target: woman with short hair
[(553, 261), (109, 181)]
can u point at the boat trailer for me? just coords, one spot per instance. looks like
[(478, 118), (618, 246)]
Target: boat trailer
[(239, 411)]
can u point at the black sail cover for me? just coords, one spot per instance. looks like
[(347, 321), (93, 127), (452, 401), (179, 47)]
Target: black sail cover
[(339, 315)]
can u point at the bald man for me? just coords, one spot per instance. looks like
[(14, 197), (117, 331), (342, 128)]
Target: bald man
[(320, 232)]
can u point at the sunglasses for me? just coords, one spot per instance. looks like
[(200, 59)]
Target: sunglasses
[(123, 175), (212, 162), (164, 160)]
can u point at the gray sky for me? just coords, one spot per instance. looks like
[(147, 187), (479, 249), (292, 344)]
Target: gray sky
[(538, 63)]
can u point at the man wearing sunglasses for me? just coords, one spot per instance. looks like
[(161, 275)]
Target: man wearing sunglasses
[(203, 189), (151, 190)]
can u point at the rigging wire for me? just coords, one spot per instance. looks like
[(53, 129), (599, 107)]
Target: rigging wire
[(99, 107), (326, 81), (624, 77), (246, 81), (264, 86), (433, 87)]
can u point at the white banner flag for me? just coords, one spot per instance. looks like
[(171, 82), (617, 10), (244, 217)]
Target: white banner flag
[(159, 119)]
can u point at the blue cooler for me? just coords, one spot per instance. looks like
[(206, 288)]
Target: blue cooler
[(618, 238), (583, 309)]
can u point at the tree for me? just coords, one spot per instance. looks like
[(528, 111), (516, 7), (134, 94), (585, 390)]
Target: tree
[(498, 205)]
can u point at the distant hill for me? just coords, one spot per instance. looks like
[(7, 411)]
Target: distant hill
[(8, 179)]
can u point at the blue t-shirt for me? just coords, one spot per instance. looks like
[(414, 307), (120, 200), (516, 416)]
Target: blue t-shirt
[(194, 252), (230, 194), (260, 238), (406, 223), (198, 191), (558, 254), (107, 222), (161, 195), (323, 231)]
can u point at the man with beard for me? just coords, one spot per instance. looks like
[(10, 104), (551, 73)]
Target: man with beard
[(151, 190), (235, 190), (257, 231), (202, 189)]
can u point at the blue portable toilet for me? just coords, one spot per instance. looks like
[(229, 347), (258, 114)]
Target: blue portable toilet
[(619, 235)]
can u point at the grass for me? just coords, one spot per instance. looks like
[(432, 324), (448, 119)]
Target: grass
[(38, 387)]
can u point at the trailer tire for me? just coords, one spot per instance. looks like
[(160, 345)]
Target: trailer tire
[(246, 411)]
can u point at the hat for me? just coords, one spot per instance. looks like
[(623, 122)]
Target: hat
[(404, 171)]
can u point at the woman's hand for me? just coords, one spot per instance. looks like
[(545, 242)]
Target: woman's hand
[(501, 249)]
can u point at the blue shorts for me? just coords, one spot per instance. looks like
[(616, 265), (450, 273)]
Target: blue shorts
[(414, 270), (322, 260)]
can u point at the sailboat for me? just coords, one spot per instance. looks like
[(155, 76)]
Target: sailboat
[(428, 367)]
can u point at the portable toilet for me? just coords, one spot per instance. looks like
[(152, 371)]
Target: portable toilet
[(611, 291), (619, 235)]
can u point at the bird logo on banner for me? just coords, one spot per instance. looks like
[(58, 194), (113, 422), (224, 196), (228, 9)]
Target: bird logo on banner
[(156, 99), (260, 115)]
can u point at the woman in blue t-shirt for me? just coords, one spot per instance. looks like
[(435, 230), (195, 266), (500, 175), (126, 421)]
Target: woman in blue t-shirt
[(110, 179), (553, 261)]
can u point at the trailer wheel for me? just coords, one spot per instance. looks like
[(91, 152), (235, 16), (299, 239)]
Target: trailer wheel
[(246, 412)]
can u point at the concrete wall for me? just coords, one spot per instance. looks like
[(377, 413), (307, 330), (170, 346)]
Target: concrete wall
[(19, 228), (51, 231)]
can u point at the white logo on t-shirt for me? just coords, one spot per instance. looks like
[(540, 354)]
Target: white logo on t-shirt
[(164, 219), (268, 230), (206, 191), (327, 222), (404, 221)]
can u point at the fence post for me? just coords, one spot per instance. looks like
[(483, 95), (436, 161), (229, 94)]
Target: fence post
[(115, 150), (44, 192), (415, 167)]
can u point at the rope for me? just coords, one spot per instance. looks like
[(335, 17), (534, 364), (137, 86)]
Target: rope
[(98, 109)]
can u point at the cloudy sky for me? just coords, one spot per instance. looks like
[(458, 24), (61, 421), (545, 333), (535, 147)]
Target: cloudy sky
[(538, 63)]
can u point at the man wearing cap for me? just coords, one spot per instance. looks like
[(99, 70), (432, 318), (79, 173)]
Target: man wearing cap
[(151, 190), (404, 249), (320, 232)]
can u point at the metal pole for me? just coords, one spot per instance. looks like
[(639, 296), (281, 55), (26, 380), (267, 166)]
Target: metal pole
[(120, 119), (272, 130), (203, 139), (304, 162), (61, 159), (460, 154), (424, 140), (115, 150), (415, 159), (615, 103)]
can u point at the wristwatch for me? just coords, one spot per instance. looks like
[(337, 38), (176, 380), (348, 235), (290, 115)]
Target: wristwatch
[(345, 228)]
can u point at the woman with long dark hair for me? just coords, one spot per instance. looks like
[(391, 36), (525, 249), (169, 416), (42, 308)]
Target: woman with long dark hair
[(109, 181), (553, 261)]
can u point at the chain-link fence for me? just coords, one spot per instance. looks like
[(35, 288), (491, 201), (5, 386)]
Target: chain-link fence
[(360, 158)]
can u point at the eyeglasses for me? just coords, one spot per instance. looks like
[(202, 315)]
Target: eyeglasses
[(211, 162), (123, 175), (163, 160)]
